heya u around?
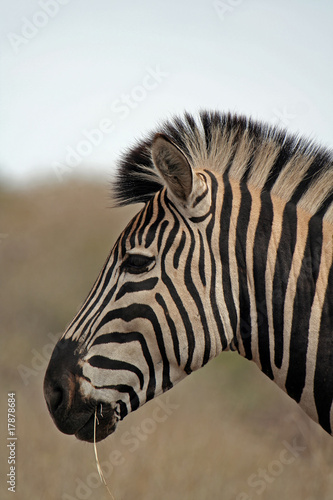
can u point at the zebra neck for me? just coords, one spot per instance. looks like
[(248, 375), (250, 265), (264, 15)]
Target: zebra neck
[(262, 238), (274, 252), (258, 231)]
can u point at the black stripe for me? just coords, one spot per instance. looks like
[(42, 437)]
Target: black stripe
[(323, 379), (114, 364), (134, 286), (138, 221), (134, 399), (284, 257), (172, 326), (200, 197), (260, 249), (324, 207), (179, 250), (315, 242), (202, 272), (213, 284), (122, 408), (305, 291), (200, 218), (123, 239), (224, 253), (151, 235), (127, 337), (287, 144), (164, 225), (244, 298), (320, 161)]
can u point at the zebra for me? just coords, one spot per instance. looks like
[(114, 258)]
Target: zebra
[(232, 250)]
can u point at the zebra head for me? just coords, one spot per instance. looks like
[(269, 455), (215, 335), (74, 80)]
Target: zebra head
[(144, 325), (232, 249)]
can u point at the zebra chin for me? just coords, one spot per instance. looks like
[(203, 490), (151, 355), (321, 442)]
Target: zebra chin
[(93, 422), (106, 424), (73, 413)]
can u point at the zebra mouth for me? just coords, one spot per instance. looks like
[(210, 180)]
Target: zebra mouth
[(99, 425)]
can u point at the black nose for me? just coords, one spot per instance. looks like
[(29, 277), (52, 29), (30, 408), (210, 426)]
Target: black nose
[(61, 388)]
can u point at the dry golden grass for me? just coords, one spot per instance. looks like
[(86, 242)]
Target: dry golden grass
[(228, 431)]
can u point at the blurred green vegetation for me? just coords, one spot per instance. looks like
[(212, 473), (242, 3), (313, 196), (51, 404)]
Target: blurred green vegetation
[(228, 430)]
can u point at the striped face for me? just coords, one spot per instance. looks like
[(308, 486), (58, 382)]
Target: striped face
[(145, 324)]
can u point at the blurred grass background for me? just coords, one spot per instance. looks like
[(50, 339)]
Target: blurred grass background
[(229, 427)]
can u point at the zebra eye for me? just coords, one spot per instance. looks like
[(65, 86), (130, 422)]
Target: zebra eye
[(136, 264)]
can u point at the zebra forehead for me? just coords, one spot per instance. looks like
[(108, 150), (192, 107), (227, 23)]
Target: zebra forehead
[(259, 154)]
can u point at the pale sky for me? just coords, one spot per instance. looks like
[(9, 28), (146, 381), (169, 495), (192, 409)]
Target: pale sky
[(80, 80)]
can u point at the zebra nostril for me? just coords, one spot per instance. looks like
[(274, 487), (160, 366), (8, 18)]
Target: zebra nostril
[(55, 394), (59, 381), (55, 398), (58, 392)]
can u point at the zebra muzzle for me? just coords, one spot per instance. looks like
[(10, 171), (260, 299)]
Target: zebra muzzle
[(71, 412)]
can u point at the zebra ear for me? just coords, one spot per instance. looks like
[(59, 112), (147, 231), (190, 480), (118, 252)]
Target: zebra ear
[(173, 166)]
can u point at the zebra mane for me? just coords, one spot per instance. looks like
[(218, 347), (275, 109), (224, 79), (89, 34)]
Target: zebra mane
[(259, 154)]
